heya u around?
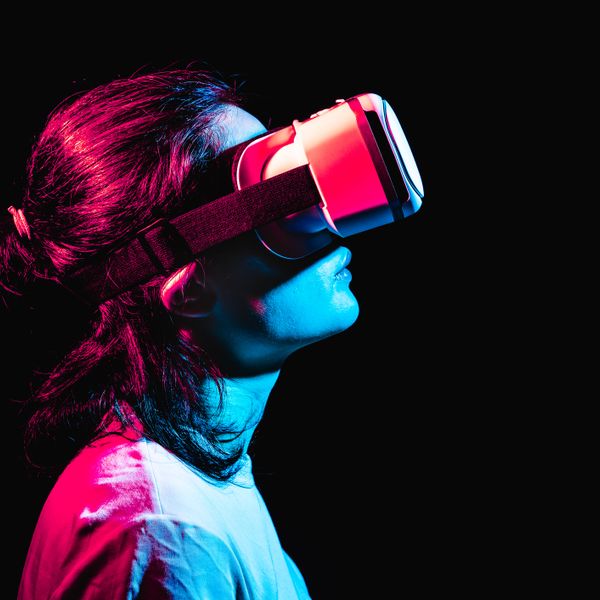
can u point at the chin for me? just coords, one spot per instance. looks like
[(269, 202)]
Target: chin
[(346, 309), (340, 319), (349, 319), (350, 314)]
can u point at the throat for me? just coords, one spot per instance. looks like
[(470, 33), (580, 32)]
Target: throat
[(237, 408)]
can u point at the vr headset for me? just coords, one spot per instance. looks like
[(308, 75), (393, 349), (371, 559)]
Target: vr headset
[(345, 170)]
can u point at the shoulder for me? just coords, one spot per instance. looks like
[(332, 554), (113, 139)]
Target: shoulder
[(126, 478), (150, 556), (126, 532), (108, 479)]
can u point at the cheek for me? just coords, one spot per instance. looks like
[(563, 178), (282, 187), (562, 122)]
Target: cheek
[(311, 304)]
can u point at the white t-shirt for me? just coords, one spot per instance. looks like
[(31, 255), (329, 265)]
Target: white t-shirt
[(127, 519)]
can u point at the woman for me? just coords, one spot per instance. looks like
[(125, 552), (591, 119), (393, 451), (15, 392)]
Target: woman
[(157, 402)]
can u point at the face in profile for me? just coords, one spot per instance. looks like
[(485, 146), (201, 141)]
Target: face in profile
[(250, 308)]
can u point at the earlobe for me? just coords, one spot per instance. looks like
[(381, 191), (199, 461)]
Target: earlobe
[(187, 293)]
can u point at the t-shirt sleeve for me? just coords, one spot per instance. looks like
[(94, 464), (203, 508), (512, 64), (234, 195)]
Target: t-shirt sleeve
[(153, 558), (178, 560)]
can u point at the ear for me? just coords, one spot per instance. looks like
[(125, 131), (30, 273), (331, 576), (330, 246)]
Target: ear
[(187, 294)]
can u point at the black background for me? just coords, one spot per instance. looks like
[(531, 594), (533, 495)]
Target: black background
[(385, 452)]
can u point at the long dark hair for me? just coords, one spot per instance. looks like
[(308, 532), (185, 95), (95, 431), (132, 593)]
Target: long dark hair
[(108, 163)]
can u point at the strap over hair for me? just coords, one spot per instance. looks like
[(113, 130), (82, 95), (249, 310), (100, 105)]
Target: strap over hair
[(170, 243), (20, 221)]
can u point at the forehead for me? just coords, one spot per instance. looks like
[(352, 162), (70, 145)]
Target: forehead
[(237, 126)]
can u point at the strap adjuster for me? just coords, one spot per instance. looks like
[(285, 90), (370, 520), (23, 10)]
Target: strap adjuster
[(165, 246)]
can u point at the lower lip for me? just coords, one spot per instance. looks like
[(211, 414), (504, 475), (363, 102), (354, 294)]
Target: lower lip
[(343, 275)]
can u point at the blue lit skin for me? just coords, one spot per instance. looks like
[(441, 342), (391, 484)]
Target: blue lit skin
[(267, 307), (250, 309)]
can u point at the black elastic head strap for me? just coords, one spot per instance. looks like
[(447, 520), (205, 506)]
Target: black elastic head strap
[(168, 244)]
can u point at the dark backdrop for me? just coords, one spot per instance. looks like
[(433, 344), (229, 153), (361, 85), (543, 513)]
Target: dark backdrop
[(383, 450)]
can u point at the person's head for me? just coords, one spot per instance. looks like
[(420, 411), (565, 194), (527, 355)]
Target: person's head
[(249, 308), (109, 163)]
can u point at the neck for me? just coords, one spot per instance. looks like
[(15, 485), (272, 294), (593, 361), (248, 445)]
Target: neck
[(244, 401)]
